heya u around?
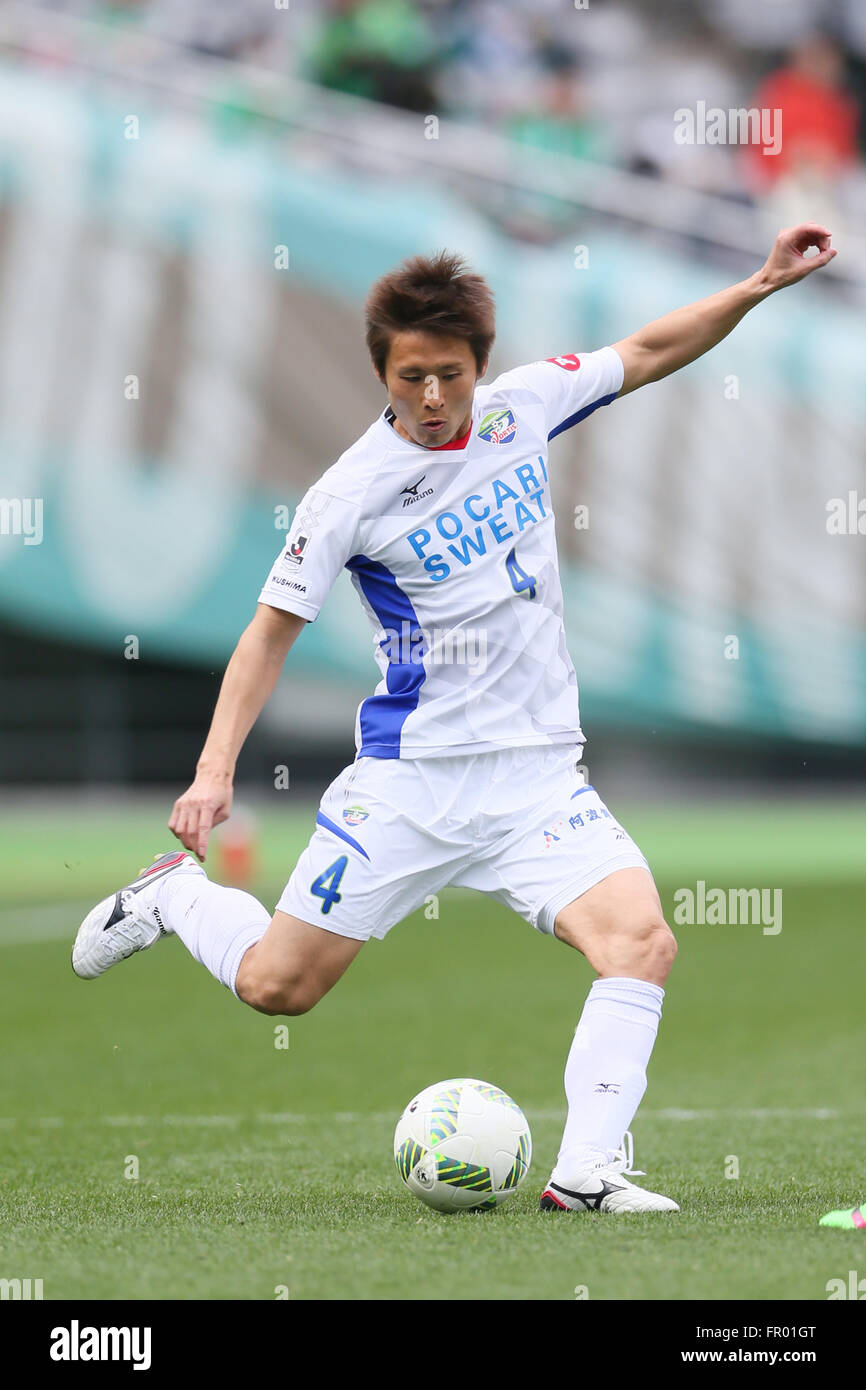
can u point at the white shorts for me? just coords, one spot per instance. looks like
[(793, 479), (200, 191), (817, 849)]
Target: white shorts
[(518, 824)]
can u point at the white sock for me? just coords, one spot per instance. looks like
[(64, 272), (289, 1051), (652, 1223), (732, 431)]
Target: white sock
[(217, 925), (605, 1075)]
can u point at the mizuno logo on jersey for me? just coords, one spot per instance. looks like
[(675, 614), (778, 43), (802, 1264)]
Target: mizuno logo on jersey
[(411, 494)]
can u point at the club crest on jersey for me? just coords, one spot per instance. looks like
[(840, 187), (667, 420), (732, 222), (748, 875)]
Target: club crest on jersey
[(499, 427), (355, 815)]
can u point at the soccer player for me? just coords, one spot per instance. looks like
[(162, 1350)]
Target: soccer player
[(467, 753)]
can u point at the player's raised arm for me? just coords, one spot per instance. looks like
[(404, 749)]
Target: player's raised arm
[(668, 343), (250, 677)]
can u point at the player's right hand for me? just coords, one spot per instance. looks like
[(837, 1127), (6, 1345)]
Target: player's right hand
[(207, 803)]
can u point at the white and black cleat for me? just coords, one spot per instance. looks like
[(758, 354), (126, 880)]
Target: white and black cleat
[(128, 921), (603, 1186)]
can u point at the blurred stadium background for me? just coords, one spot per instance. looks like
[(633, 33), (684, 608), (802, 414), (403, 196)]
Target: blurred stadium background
[(194, 198)]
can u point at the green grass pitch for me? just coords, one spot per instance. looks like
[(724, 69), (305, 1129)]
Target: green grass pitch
[(265, 1171)]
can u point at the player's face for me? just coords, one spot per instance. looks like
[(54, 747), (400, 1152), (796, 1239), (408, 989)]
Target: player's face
[(431, 380)]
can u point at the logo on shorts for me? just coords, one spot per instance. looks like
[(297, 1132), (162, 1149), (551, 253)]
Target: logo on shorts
[(355, 815), (499, 427), (551, 837)]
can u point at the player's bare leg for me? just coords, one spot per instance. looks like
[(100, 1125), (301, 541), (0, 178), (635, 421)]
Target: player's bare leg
[(293, 966), (620, 927)]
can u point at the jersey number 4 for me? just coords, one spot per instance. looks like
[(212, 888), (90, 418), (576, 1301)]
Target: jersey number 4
[(521, 582), (328, 882)]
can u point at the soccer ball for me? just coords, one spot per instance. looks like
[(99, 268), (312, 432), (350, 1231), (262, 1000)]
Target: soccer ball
[(462, 1144)]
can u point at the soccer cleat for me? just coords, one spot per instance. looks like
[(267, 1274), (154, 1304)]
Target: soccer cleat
[(848, 1220), (126, 922), (603, 1186)]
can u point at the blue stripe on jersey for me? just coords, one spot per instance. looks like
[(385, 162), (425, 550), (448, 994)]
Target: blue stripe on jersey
[(328, 824), (582, 414), (383, 716)]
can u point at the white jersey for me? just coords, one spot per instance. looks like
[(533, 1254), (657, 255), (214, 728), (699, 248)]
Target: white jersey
[(453, 553)]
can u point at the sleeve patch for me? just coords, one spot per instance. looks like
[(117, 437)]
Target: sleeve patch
[(569, 361)]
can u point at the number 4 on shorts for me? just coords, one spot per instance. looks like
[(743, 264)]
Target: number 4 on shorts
[(328, 891)]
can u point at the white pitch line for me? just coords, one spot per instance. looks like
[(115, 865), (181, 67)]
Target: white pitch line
[(54, 922), (381, 1116)]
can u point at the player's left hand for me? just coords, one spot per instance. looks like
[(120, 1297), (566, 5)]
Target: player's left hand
[(787, 262)]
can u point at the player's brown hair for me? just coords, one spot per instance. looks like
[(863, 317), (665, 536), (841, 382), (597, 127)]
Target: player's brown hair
[(432, 294)]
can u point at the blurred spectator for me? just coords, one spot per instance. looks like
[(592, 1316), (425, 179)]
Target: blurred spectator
[(559, 120), (381, 49), (819, 118), (491, 66), (599, 84)]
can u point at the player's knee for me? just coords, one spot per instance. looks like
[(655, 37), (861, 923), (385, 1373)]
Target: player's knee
[(655, 948), (289, 997), (642, 948)]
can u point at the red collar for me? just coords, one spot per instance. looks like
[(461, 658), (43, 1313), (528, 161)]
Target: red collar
[(452, 443), (431, 448)]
